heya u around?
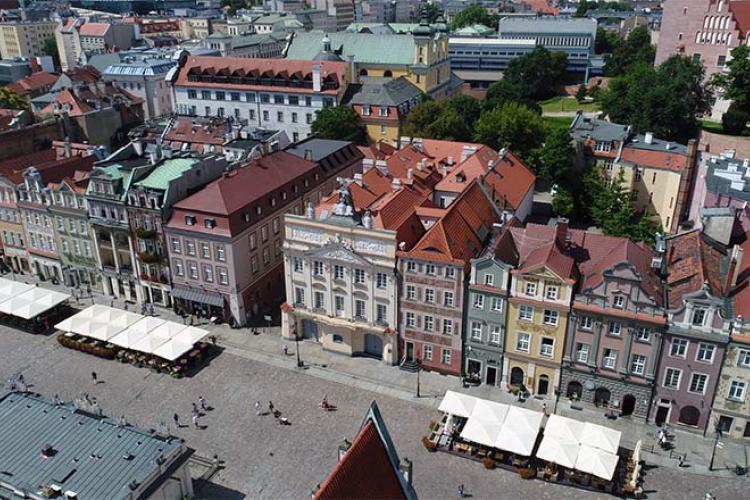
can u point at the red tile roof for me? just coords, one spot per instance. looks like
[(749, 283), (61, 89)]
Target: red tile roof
[(84, 74), (740, 9), (94, 29), (33, 82), (240, 187), (509, 181), (460, 176), (52, 169), (656, 159), (185, 130), (691, 262), (283, 68), (66, 96), (542, 7), (14, 167)]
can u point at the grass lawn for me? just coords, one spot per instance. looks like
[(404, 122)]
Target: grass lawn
[(553, 122), (712, 126), (567, 104)]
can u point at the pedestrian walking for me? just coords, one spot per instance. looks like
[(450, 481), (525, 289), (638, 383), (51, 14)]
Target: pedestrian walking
[(544, 408), (176, 419), (460, 490), (21, 379), (257, 408), (93, 377), (195, 421), (270, 406), (202, 402), (286, 350)]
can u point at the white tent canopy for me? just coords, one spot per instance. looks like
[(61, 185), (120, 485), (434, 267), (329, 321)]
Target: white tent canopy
[(167, 330), (601, 437), (32, 302), (191, 335), (489, 411), (563, 428), (10, 288), (559, 452), (481, 432), (519, 431), (172, 350), (597, 462), (456, 403)]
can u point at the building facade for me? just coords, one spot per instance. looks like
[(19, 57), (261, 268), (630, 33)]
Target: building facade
[(78, 36), (268, 93), (731, 408), (25, 38), (143, 77), (384, 105)]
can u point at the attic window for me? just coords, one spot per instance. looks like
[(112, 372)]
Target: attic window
[(247, 216), (190, 220), (209, 223)]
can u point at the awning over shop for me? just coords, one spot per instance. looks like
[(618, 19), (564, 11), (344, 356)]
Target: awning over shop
[(33, 302), (197, 295)]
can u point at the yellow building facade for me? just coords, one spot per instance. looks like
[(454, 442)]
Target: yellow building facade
[(25, 38)]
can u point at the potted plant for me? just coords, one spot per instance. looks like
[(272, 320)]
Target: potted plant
[(488, 463), (428, 444), (527, 472)]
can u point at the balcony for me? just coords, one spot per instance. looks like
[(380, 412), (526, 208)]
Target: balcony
[(145, 234)]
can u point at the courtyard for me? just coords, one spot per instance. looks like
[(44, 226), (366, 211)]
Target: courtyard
[(265, 460)]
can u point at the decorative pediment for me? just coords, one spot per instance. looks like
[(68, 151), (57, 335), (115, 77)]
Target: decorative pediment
[(337, 251)]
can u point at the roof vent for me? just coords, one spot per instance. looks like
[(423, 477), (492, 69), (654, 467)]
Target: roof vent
[(48, 451), (649, 138), (128, 456), (71, 495)]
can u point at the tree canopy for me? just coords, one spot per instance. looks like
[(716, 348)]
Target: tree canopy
[(663, 100), (635, 49), (49, 48), (535, 76), (475, 14), (606, 41), (432, 11), (340, 123), (451, 120), (735, 82), (513, 126), (11, 100)]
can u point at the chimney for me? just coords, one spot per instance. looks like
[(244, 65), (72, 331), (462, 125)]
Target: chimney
[(467, 151), (443, 170), (649, 138), (358, 180), (367, 220), (406, 468), (382, 166), (367, 164), (451, 161), (735, 263), (417, 142), (68, 148), (316, 77), (308, 155), (405, 140), (402, 245), (561, 231), (410, 173), (396, 184)]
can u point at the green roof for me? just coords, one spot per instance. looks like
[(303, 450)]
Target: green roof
[(366, 48), (166, 172)]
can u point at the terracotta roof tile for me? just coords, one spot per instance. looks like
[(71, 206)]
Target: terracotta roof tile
[(33, 82), (657, 159), (740, 9), (13, 168), (94, 29), (691, 262), (510, 181)]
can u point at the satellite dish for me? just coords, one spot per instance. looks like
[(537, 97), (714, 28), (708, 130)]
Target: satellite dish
[(589, 385)]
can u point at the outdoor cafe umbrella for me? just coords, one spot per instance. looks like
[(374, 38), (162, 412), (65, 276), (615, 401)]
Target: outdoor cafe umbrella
[(148, 344), (172, 350), (601, 437), (597, 462), (456, 403), (481, 432), (559, 452)]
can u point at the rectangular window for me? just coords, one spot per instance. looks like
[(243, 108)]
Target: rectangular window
[(221, 254), (190, 245), (317, 268), (220, 96), (411, 321), (427, 353), (411, 292), (338, 272), (698, 383), (705, 353), (526, 313), (743, 358), (609, 360), (411, 267), (497, 304), (293, 100), (280, 116), (643, 334), (672, 378), (176, 245), (205, 250), (737, 390), (678, 349), (223, 275), (359, 309), (205, 94), (430, 269), (381, 280), (193, 267), (587, 323), (447, 327), (294, 118), (551, 292), (582, 353), (429, 295), (178, 267), (489, 279), (208, 273), (522, 344), (319, 300), (450, 272), (448, 299), (429, 323), (551, 317), (359, 276), (297, 263), (495, 334), (339, 301), (478, 301), (615, 327), (547, 348), (476, 330), (638, 364), (699, 316), (381, 313), (530, 288), (445, 356), (299, 296)]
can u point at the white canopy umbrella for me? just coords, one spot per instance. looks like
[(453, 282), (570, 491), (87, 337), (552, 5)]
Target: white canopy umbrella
[(32, 303), (172, 350), (489, 411), (456, 403), (103, 331), (145, 324), (559, 452), (128, 338), (10, 288), (191, 335), (520, 443), (563, 428), (519, 431), (481, 432), (597, 462), (601, 437), (167, 330), (148, 344)]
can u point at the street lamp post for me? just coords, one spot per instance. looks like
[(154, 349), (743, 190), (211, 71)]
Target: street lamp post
[(296, 346), (716, 444), (419, 369)]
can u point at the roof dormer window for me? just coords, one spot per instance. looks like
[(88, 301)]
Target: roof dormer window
[(190, 220)]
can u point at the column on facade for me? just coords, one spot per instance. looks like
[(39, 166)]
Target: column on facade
[(593, 361), (656, 342), (114, 250), (627, 346), (570, 337)]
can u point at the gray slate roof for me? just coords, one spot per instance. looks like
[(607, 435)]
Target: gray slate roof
[(320, 148), (547, 25), (366, 48), (386, 92), (728, 176), (599, 130), (88, 453)]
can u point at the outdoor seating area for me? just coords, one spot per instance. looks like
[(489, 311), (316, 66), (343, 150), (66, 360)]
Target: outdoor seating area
[(554, 448), (28, 307), (163, 346)]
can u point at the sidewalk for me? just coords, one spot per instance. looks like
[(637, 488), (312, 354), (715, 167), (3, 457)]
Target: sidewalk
[(266, 346)]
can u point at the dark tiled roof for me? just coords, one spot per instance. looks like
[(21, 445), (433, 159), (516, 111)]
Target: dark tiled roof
[(691, 263), (386, 93)]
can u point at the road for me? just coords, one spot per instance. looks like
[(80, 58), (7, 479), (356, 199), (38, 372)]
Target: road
[(266, 460)]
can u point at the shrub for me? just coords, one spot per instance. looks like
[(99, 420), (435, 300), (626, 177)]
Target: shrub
[(428, 444), (527, 472), (734, 121)]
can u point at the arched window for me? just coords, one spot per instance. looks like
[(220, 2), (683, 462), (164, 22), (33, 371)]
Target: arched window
[(387, 73), (574, 389), (363, 72), (516, 376), (338, 338), (602, 395), (689, 415)]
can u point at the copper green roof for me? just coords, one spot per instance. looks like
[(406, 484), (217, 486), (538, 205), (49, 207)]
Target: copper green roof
[(366, 48), (166, 172)]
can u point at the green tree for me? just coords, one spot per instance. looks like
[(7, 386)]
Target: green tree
[(513, 126), (420, 118), (556, 160), (474, 14), (563, 203), (535, 76), (339, 123), (11, 100), (735, 82), (636, 49), (611, 208), (582, 9), (450, 120), (467, 107), (606, 41), (49, 48), (432, 11), (734, 121), (581, 93), (645, 98)]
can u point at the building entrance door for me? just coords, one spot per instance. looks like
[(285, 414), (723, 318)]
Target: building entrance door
[(491, 377), (373, 345), (543, 385), (409, 351), (309, 329), (662, 413)]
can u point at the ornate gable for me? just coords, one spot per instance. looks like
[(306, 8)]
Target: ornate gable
[(338, 250)]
